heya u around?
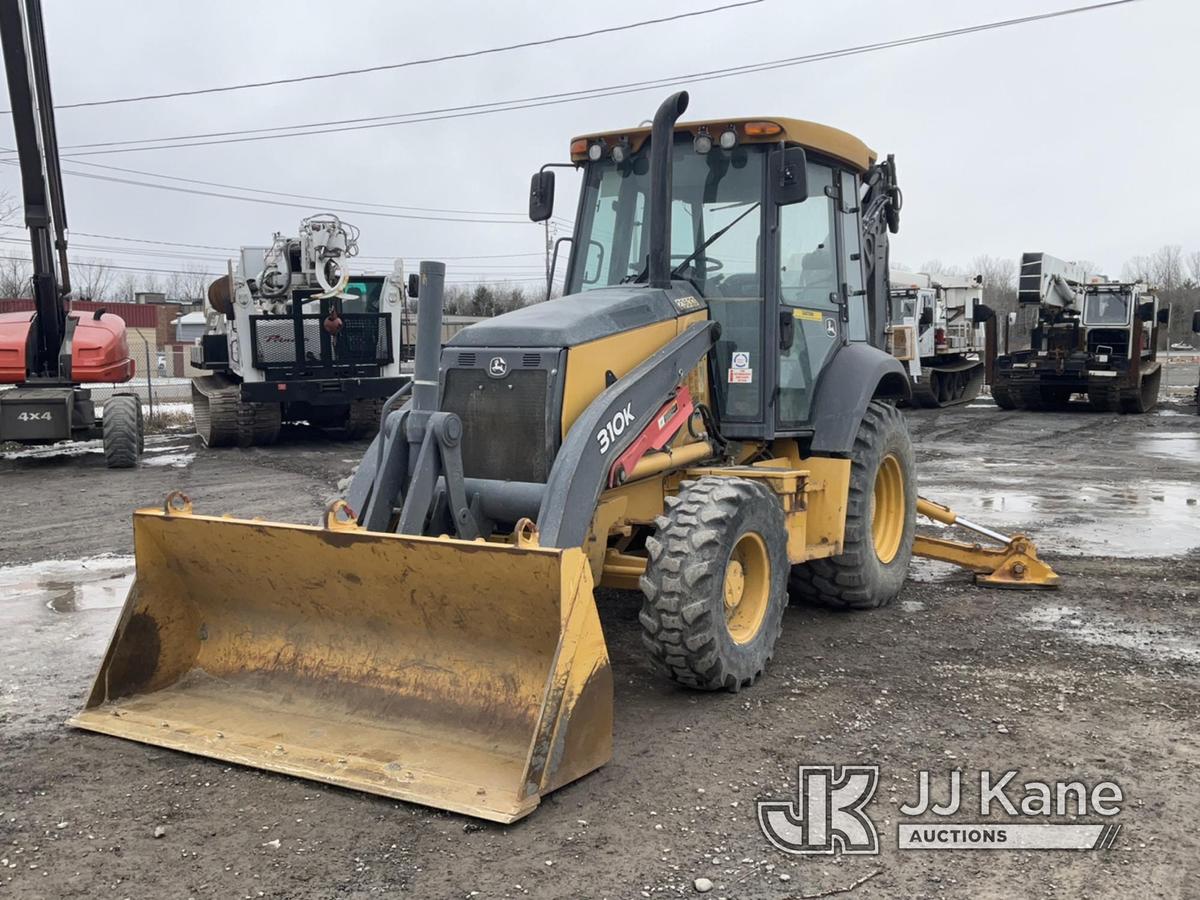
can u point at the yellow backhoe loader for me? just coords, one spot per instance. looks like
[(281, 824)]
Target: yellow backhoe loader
[(705, 417)]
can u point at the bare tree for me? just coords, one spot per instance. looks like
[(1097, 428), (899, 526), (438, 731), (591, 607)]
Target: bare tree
[(152, 283), (10, 208), (191, 283), (15, 278), (1193, 265), (999, 274), (1166, 267), (93, 280), (1138, 268), (125, 287)]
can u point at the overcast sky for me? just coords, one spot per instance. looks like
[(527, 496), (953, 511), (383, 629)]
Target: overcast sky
[(1072, 136)]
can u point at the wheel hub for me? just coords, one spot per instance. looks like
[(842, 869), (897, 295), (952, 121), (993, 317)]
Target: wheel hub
[(747, 587), (887, 509)]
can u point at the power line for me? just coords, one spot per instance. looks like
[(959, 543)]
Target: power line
[(306, 206), (497, 106), (234, 187), (469, 54), (154, 271), (99, 251), (114, 237)]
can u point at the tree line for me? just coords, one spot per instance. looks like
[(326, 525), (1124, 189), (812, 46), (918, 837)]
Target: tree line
[(98, 279)]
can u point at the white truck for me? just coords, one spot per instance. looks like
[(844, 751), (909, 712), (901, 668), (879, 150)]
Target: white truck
[(293, 336), (936, 328)]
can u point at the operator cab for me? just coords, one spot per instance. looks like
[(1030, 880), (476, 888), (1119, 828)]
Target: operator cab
[(779, 263), (1119, 319)]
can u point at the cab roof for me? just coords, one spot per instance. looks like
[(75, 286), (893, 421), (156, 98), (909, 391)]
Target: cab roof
[(825, 139)]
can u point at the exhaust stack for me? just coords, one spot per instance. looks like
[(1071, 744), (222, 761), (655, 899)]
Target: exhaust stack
[(662, 139)]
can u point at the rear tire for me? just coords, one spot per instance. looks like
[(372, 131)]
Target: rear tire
[(881, 516), (122, 429), (715, 584)]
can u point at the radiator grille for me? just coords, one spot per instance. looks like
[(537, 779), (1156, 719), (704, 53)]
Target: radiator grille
[(504, 423)]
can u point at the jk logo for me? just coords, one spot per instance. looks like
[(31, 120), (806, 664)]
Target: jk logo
[(827, 816)]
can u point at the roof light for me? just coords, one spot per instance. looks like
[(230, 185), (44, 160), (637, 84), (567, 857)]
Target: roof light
[(620, 151), (703, 142), (762, 129), (729, 138), (596, 151), (579, 147)]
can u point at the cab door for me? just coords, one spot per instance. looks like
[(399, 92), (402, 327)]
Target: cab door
[(812, 292)]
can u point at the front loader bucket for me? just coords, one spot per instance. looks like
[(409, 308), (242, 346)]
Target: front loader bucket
[(467, 676)]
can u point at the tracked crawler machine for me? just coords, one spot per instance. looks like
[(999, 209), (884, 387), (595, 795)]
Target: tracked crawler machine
[(294, 336), (50, 355), (936, 329), (700, 418), (1090, 336)]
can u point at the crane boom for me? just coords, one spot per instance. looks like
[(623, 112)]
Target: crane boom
[(28, 73)]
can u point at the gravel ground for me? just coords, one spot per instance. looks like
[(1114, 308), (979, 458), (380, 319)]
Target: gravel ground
[(1100, 680)]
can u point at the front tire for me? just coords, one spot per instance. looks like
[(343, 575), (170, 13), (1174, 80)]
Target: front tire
[(881, 518), (122, 429), (715, 584)]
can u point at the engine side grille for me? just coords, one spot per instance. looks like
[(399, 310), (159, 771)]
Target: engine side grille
[(504, 423)]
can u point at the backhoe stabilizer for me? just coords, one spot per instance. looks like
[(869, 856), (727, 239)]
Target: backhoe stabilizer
[(1015, 565), (470, 676)]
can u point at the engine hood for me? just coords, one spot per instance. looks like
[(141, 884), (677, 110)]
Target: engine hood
[(580, 318)]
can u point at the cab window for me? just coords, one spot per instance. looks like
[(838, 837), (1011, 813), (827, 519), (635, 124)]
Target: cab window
[(808, 286)]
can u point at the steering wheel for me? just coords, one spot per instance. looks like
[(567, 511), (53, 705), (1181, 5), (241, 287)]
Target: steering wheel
[(710, 263)]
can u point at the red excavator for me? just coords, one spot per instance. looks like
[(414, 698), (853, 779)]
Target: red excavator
[(51, 352)]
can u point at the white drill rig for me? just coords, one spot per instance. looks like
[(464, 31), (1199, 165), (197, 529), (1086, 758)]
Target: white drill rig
[(1089, 336), (294, 336), (937, 330)]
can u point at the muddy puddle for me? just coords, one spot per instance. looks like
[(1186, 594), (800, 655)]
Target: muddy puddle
[(1184, 446), (68, 586), (1140, 519), (1156, 642)]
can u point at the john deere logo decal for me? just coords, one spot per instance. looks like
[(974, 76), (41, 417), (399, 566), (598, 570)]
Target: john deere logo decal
[(497, 367)]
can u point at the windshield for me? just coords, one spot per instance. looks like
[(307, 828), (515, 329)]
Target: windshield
[(710, 192), (365, 293), (1106, 308)]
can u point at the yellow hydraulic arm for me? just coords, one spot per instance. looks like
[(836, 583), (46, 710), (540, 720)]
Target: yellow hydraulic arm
[(1015, 565)]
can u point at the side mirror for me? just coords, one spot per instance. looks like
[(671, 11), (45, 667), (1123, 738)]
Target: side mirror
[(1196, 321), (1164, 316), (982, 313), (790, 172), (414, 285), (541, 195)]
